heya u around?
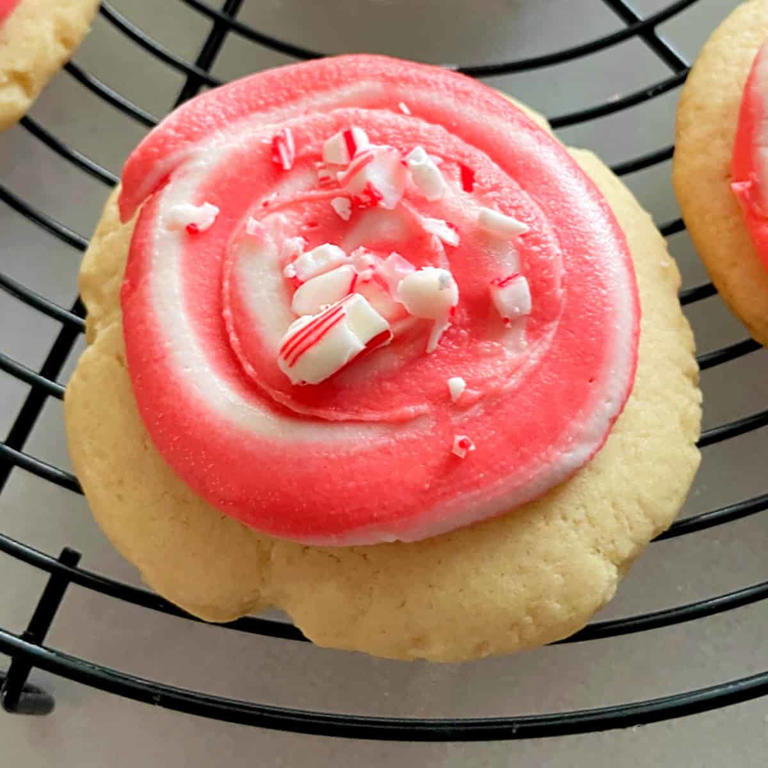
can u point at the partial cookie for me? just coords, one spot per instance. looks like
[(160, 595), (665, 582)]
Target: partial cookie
[(36, 40), (529, 577), (706, 126)]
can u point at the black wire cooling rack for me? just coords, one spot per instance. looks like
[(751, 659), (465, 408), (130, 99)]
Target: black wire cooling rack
[(26, 651)]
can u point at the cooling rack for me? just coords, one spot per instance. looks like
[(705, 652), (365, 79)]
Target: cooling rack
[(27, 650)]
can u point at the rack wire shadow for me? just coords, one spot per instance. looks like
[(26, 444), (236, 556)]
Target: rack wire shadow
[(27, 650)]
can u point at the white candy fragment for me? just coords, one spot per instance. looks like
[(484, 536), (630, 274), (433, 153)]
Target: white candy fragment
[(511, 296), (425, 174), (430, 293), (500, 224), (315, 347), (439, 327), (321, 259), (393, 269), (456, 385), (195, 217), (328, 288), (462, 445), (343, 207), (344, 145), (376, 177), (441, 229), (380, 298), (362, 259), (403, 107)]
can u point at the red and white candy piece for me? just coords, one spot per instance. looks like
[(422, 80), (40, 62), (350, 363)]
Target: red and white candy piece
[(320, 259), (462, 445), (283, 149), (377, 176), (345, 145), (499, 224), (193, 218), (511, 296), (444, 231), (425, 174), (325, 289), (315, 347)]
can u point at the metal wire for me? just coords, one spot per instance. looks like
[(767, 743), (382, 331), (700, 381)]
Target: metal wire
[(43, 384)]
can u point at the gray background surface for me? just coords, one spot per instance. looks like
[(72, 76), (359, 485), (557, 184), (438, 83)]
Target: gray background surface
[(95, 729)]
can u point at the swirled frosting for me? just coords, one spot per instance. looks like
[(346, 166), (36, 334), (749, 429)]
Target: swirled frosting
[(749, 167), (369, 300)]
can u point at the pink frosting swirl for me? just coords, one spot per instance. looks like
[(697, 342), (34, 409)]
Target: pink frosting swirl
[(367, 454)]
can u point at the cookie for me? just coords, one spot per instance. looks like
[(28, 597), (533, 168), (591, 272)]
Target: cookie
[(528, 577), (707, 121), (36, 40)]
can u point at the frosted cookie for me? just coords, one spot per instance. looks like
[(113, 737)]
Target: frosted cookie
[(720, 172), (36, 38), (372, 351)]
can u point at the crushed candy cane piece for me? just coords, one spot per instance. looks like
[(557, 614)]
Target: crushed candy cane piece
[(343, 207), (343, 146), (462, 445), (283, 149), (393, 269), (328, 288), (380, 298), (444, 231), (439, 327), (425, 174), (325, 176), (316, 346), (430, 292), (362, 259), (500, 224), (511, 296), (320, 259), (193, 218), (403, 107), (456, 385), (376, 177)]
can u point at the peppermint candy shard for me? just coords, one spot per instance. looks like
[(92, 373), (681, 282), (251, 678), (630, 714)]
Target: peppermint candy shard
[(444, 231), (318, 292), (320, 259), (283, 149), (316, 346), (376, 177), (425, 174), (456, 386), (343, 207), (462, 445), (511, 296), (342, 147), (193, 218), (430, 292), (499, 224)]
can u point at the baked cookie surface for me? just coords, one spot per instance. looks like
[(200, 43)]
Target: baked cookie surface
[(36, 40), (527, 578), (707, 119)]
